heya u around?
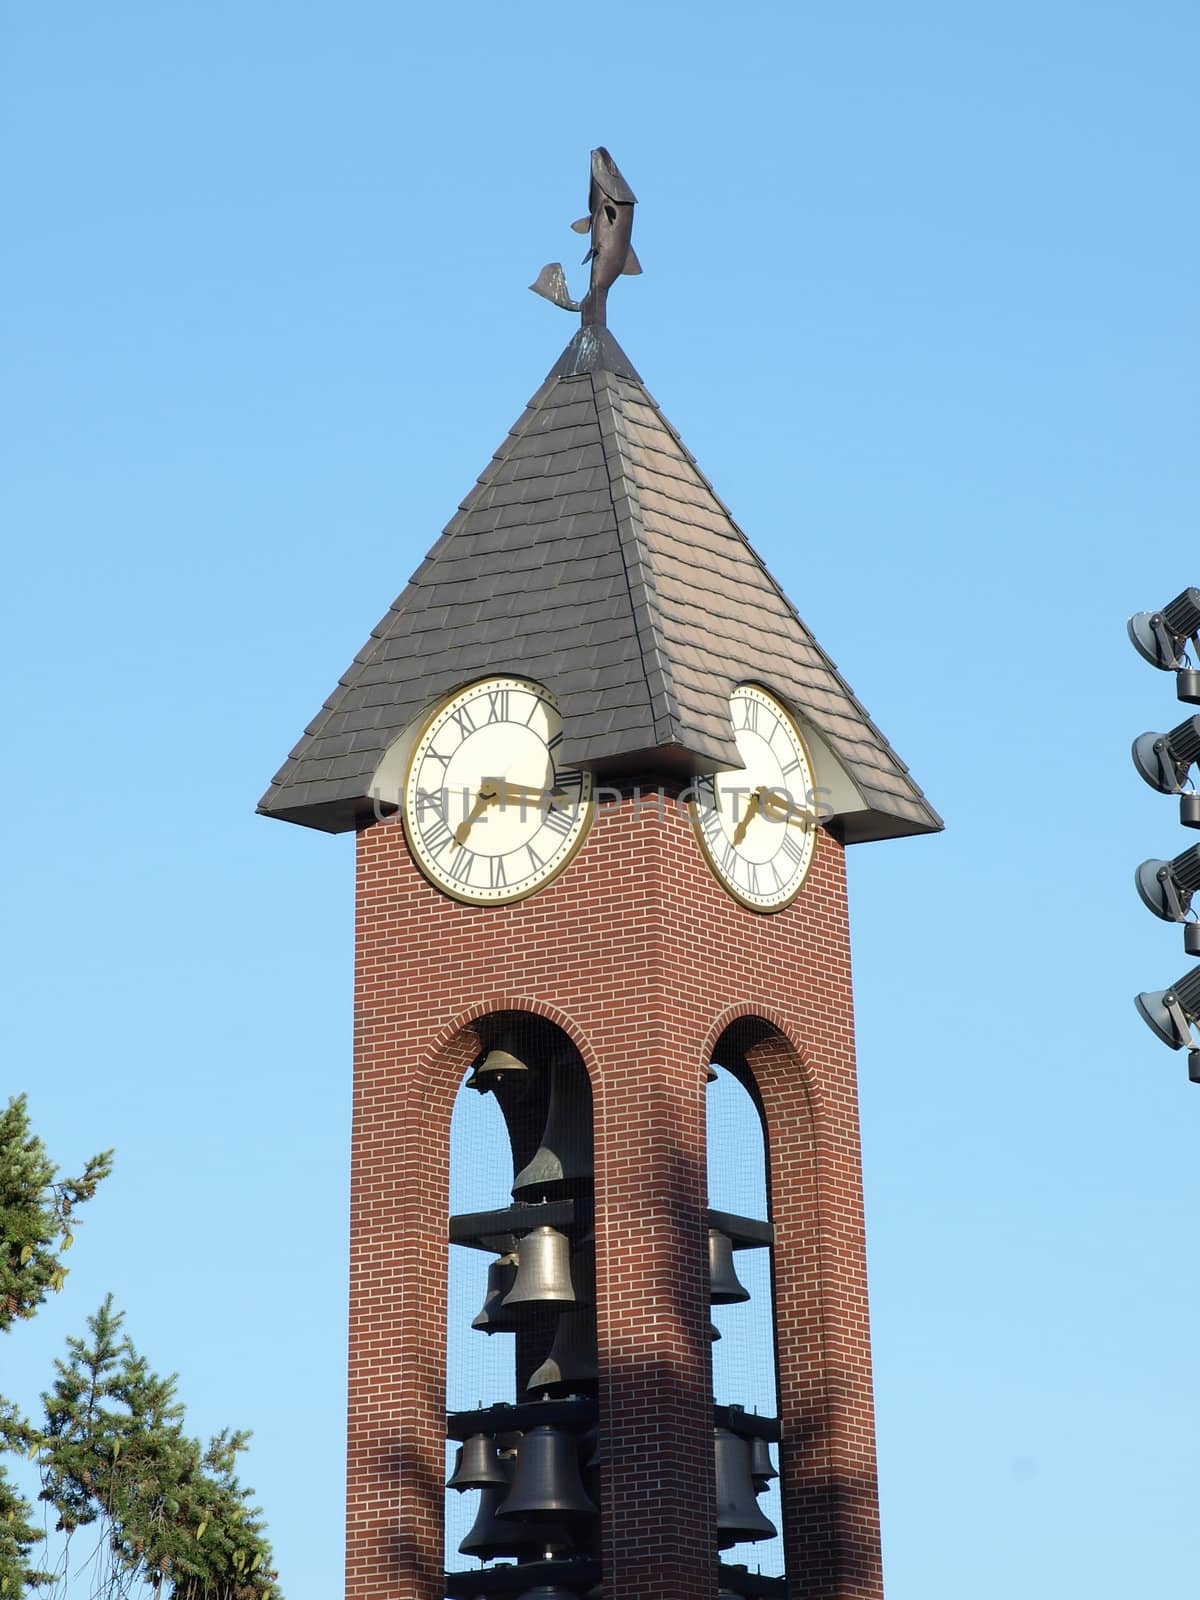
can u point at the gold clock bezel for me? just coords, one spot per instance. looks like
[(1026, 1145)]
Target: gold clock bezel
[(463, 894), (694, 809)]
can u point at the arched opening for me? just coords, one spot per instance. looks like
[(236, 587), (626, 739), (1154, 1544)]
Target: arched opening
[(522, 1456), (745, 1382)]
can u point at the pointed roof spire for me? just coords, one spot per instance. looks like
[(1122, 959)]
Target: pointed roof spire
[(594, 557)]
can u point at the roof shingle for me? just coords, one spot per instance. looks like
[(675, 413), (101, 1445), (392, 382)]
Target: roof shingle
[(593, 556)]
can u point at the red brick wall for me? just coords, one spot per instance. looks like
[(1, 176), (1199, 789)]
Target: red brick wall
[(641, 957)]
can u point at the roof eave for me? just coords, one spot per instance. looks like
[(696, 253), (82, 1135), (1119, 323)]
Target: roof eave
[(865, 827)]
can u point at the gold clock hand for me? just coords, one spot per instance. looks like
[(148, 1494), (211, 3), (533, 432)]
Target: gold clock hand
[(522, 792), (784, 811), (483, 799), (739, 833)]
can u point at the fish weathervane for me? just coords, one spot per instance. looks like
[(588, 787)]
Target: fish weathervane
[(610, 223)]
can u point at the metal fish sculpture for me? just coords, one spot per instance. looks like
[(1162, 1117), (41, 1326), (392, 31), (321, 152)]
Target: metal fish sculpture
[(610, 223)]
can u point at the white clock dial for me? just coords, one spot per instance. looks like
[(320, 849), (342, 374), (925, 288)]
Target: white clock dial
[(489, 812), (756, 827)]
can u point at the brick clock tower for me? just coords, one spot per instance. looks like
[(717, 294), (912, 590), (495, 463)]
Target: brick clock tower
[(602, 779)]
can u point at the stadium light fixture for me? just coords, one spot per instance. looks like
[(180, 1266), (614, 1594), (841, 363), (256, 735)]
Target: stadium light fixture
[(1161, 638), (1163, 759), (1170, 1013)]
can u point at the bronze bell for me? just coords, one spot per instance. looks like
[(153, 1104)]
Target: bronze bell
[(501, 1061), (477, 1465), (492, 1535), (572, 1355), (714, 1333), (564, 1156), (547, 1484), (739, 1519), (762, 1468), (724, 1287), (543, 1271), (500, 1278)]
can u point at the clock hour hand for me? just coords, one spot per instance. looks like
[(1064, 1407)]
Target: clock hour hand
[(487, 794), (755, 801)]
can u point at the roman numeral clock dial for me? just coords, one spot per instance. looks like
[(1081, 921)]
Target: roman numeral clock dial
[(489, 812), (757, 827)]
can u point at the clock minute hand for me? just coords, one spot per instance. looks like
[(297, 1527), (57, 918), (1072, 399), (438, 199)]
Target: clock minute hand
[(784, 811), (524, 794)]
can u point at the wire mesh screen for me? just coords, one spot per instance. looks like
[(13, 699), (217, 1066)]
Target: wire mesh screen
[(479, 1368), (521, 1205), (744, 1356)]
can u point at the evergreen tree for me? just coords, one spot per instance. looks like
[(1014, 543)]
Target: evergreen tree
[(36, 1211), (171, 1512), (167, 1511), (18, 1536)]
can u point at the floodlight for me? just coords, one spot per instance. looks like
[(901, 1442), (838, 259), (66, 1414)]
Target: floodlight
[(1163, 759), (1160, 637), (1167, 887), (1171, 1012)]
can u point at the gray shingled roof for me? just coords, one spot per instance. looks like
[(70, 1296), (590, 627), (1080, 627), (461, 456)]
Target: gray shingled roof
[(593, 556)]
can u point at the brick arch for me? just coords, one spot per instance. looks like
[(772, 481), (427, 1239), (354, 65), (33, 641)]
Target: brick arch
[(404, 1099), (439, 1071), (829, 1490), (798, 1058), (440, 1046), (759, 1335)]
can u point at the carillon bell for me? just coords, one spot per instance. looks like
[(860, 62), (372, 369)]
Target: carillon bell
[(500, 1062), (739, 1519), (500, 1278), (724, 1286), (543, 1271), (572, 1356), (564, 1157), (492, 1535), (547, 1485), (477, 1465), (762, 1468)]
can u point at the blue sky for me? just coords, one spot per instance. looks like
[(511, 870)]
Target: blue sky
[(919, 293)]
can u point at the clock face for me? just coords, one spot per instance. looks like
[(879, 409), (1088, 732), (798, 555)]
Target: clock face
[(756, 827), (489, 812)]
